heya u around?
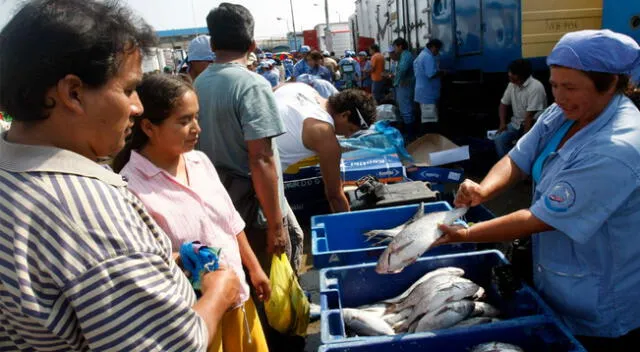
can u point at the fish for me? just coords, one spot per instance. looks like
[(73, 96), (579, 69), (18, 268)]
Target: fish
[(496, 347), (475, 321), (364, 323), (447, 292), (378, 310), (425, 288), (483, 309), (447, 316), (414, 239), (385, 235), (453, 271), (394, 318)]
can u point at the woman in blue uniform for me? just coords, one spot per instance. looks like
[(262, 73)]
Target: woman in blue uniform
[(583, 155)]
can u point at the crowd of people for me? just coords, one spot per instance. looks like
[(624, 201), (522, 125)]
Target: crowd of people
[(105, 172)]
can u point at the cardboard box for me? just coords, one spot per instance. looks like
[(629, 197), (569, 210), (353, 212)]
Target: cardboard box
[(354, 166), (436, 150), (431, 151)]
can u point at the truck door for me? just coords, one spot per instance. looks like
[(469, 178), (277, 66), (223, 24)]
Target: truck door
[(468, 27)]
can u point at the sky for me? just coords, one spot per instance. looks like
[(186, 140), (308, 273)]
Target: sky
[(176, 14)]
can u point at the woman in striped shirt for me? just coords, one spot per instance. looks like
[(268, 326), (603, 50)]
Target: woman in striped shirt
[(183, 193)]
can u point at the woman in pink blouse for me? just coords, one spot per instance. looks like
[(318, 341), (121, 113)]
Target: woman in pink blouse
[(182, 191)]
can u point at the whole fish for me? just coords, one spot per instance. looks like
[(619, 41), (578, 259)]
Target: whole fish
[(475, 321), (414, 239), (425, 288), (364, 323), (388, 234), (483, 309), (497, 347), (449, 315), (440, 271), (447, 292)]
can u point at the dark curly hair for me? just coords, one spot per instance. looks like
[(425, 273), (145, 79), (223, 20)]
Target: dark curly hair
[(49, 39), (158, 94), (354, 100)]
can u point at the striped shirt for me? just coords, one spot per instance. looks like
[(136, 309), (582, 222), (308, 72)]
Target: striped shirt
[(201, 211), (82, 265)]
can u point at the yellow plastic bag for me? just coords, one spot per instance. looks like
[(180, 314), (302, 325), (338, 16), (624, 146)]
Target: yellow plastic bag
[(288, 308)]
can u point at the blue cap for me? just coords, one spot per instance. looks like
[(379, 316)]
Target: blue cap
[(268, 55), (305, 49), (596, 50), (200, 49)]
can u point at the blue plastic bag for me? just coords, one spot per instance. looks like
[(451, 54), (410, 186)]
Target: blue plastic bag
[(198, 259), (379, 139)]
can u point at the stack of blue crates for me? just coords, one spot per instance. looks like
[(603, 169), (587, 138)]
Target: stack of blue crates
[(527, 320)]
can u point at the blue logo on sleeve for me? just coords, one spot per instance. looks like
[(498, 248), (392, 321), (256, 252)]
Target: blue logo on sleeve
[(561, 197)]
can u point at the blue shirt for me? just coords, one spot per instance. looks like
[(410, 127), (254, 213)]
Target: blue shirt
[(351, 61), (321, 72), (428, 83), (288, 69), (404, 70), (272, 76), (588, 269), (300, 68)]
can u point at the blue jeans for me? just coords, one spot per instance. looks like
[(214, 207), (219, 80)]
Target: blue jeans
[(504, 140), (377, 90), (404, 99)]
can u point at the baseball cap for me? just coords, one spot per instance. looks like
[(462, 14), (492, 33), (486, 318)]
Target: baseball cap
[(362, 53), (200, 49), (326, 53)]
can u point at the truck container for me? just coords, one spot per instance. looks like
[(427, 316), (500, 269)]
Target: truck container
[(481, 38), (310, 38)]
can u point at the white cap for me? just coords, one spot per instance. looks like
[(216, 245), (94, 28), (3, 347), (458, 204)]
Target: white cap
[(200, 49)]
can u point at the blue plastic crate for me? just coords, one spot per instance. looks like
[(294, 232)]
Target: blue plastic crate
[(338, 239), (533, 334), (357, 285)]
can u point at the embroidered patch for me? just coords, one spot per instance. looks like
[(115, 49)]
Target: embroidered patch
[(561, 197)]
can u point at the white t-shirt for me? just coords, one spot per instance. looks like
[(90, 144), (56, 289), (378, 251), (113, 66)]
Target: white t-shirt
[(528, 98), (296, 103)]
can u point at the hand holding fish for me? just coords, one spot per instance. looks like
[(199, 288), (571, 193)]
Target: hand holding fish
[(452, 234), (469, 194)]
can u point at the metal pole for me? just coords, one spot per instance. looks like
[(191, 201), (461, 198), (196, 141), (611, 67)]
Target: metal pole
[(327, 30), (293, 24)]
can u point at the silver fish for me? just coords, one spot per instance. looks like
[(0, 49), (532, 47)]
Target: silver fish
[(475, 321), (414, 239), (497, 347), (427, 287), (364, 323), (447, 292), (440, 271), (378, 309), (447, 316), (395, 318), (483, 309), (386, 235)]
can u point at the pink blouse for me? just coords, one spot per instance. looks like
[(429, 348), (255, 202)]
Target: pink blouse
[(201, 211)]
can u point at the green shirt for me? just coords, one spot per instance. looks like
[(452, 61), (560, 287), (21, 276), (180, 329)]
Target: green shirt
[(236, 106)]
